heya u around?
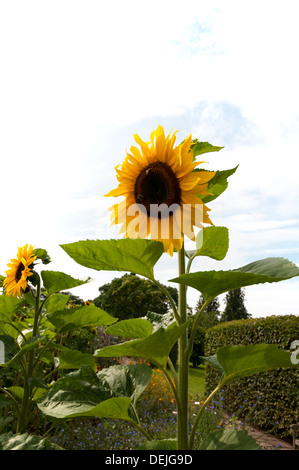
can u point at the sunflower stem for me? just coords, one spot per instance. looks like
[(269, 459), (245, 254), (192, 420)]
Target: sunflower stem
[(26, 401), (183, 363)]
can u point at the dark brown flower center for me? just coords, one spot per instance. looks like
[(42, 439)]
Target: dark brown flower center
[(157, 184), (20, 268)]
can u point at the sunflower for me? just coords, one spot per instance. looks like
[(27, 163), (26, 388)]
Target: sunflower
[(161, 183), (16, 281)]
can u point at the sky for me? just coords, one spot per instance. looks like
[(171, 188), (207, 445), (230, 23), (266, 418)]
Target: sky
[(79, 78)]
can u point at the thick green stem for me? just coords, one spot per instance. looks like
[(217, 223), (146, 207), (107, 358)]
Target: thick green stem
[(25, 411), (183, 363)]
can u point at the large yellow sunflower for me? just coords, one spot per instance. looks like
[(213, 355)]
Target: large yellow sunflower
[(162, 191), (16, 281)]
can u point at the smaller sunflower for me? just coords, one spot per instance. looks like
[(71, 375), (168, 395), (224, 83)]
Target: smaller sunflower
[(20, 269)]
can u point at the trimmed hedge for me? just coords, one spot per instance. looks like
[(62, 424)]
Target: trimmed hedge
[(268, 399)]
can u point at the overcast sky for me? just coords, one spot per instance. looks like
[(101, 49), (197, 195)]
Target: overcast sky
[(79, 78)]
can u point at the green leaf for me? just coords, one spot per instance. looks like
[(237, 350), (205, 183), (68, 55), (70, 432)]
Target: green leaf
[(10, 347), (134, 255), (56, 302), (1, 280), (4, 421), (108, 394), (213, 361), (72, 318), (76, 393), (241, 361), (200, 148), (42, 254), (9, 305), (18, 392), (127, 381), (159, 320), (55, 281), (72, 359), (212, 242), (30, 344), (131, 329), (25, 441), (163, 444), (229, 439), (155, 348), (218, 184), (213, 283)]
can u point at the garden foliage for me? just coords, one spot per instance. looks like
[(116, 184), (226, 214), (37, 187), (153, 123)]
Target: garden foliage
[(269, 399), (32, 327)]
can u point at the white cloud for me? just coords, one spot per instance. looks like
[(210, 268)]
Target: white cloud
[(78, 77)]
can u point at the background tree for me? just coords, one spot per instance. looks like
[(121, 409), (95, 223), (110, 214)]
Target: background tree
[(130, 296), (235, 306), (211, 314)]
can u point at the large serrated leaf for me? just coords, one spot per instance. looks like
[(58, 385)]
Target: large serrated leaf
[(56, 281), (229, 439), (242, 361), (69, 319), (26, 441), (213, 283), (155, 348), (133, 255), (107, 394), (134, 328)]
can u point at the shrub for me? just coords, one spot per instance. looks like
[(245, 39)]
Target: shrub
[(269, 398)]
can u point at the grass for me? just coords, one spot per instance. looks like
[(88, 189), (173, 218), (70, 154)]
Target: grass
[(197, 381)]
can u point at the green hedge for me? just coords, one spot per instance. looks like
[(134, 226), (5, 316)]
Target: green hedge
[(268, 399)]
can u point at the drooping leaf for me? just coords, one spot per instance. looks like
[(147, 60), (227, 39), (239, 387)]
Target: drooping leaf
[(108, 394), (218, 184), (55, 281), (42, 254), (72, 318), (131, 329), (213, 283), (241, 361), (76, 393), (229, 439), (200, 148), (155, 348), (26, 441), (127, 381), (134, 255)]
